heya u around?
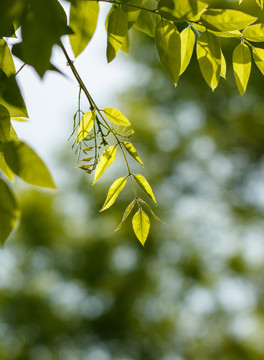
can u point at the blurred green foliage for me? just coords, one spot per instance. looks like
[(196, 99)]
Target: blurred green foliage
[(72, 289)]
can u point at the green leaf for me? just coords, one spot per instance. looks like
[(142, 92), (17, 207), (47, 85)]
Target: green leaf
[(143, 183), (113, 192), (106, 159), (132, 151), (116, 32), (116, 116), (209, 58), (226, 19), (260, 3), (83, 21), (187, 45), (10, 96), (132, 11), (5, 124), (146, 23), (125, 45), (86, 125), (6, 60), (176, 10), (9, 211), (242, 66), (126, 214), (141, 225), (254, 32), (5, 168), (25, 163), (223, 66), (42, 26), (168, 43), (258, 56)]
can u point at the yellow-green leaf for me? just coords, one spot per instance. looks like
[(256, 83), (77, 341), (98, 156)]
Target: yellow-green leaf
[(116, 32), (83, 21), (146, 23), (132, 151), (86, 125), (5, 124), (242, 66), (9, 211), (126, 214), (25, 163), (6, 60), (116, 116), (5, 168), (143, 183), (254, 32), (226, 19), (209, 58), (223, 66), (106, 159), (187, 45), (181, 10), (141, 225), (113, 192), (168, 43), (132, 7), (258, 56)]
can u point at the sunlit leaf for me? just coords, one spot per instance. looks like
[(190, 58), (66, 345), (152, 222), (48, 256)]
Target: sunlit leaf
[(143, 183), (141, 225), (9, 211), (132, 7), (116, 116), (146, 23), (113, 192), (25, 163), (6, 60), (86, 125), (5, 124), (168, 44), (254, 32), (223, 66), (132, 151), (258, 56), (187, 44), (176, 10), (242, 66), (83, 21), (126, 214), (106, 159), (116, 32), (209, 58), (226, 19), (5, 168)]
